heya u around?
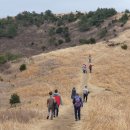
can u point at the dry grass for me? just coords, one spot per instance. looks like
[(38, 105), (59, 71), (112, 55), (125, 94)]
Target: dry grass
[(109, 101)]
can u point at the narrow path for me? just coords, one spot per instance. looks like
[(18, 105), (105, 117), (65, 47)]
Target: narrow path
[(66, 120)]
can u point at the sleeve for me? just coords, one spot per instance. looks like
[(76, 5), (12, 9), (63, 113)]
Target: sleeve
[(81, 102), (74, 101), (61, 100)]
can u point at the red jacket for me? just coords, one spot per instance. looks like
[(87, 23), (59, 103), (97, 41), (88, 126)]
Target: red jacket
[(57, 98)]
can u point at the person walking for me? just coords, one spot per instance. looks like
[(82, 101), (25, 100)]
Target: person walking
[(89, 59), (90, 68), (77, 102), (85, 94), (73, 93), (84, 68), (58, 99), (50, 106)]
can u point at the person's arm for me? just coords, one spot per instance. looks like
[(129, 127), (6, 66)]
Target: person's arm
[(81, 102), (61, 100), (74, 101)]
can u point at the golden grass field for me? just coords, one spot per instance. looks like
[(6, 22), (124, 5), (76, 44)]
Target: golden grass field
[(108, 106)]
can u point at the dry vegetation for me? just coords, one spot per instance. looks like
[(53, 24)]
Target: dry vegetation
[(109, 100)]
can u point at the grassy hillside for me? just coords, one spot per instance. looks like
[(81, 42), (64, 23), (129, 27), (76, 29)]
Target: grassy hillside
[(108, 103), (28, 33)]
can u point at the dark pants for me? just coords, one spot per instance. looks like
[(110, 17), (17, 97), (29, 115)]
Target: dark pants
[(77, 112), (84, 71), (85, 97), (56, 110), (90, 70)]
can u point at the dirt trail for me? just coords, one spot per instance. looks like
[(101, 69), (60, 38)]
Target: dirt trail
[(66, 118)]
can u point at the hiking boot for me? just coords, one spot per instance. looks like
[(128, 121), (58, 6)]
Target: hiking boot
[(76, 120), (47, 117)]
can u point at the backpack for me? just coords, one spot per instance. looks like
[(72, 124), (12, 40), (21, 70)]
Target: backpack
[(77, 102), (57, 98)]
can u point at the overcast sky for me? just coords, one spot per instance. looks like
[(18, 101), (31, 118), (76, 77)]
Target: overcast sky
[(13, 7)]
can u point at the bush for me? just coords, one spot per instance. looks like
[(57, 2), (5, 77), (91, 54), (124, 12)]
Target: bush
[(83, 41), (124, 46), (59, 30), (8, 57), (14, 99), (60, 41), (1, 79), (92, 40), (67, 39), (124, 18), (51, 31), (102, 32), (23, 67), (87, 41), (43, 48), (3, 59)]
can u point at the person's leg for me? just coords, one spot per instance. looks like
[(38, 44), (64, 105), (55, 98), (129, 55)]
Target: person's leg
[(54, 111), (48, 113), (83, 97), (78, 112), (51, 114), (75, 111), (57, 110), (86, 97), (90, 70)]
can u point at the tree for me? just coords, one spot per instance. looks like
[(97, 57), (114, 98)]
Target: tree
[(22, 67), (124, 18), (14, 99), (12, 31)]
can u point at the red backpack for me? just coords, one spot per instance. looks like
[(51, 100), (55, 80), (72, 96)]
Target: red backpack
[(57, 98)]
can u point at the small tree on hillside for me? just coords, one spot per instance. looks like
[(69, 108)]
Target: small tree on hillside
[(23, 67), (14, 99)]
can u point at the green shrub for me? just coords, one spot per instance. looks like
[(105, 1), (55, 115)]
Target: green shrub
[(102, 33), (124, 46), (60, 41), (87, 41), (67, 39), (3, 59), (22, 67), (14, 99), (84, 41), (1, 79), (52, 41), (51, 31), (59, 30), (92, 40), (8, 57), (124, 18)]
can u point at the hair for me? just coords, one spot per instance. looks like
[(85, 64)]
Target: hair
[(56, 91), (85, 86), (50, 93), (73, 87)]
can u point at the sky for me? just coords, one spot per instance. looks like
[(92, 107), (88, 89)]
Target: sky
[(13, 7)]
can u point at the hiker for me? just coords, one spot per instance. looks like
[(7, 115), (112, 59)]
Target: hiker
[(84, 68), (77, 102), (90, 68), (85, 94), (58, 99), (89, 58), (50, 105), (73, 93)]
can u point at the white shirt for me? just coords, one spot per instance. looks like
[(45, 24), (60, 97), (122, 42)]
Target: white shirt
[(85, 91)]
